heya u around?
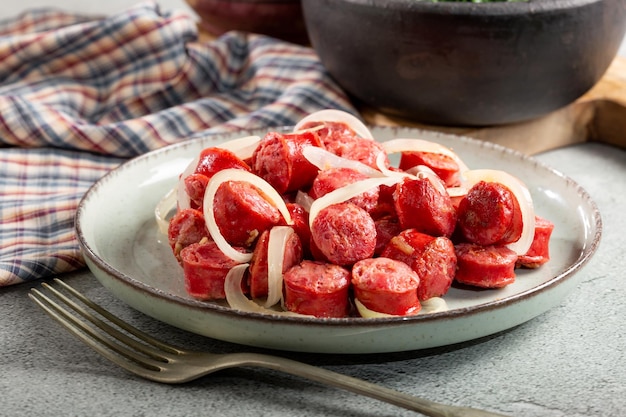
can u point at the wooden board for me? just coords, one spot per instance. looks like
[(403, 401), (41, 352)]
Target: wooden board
[(600, 115)]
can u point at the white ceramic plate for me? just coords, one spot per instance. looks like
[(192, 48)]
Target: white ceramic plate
[(121, 244)]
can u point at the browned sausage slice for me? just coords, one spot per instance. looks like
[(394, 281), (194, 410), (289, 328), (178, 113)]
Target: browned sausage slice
[(539, 252), (279, 160), (386, 286), (334, 178), (317, 288), (421, 206), (242, 213), (344, 233), (259, 264), (432, 258), (186, 227), (490, 215), (485, 266), (205, 268), (444, 166)]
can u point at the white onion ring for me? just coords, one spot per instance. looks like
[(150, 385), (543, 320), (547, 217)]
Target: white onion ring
[(421, 145), (425, 172), (233, 174), (182, 197), (381, 159), (237, 300), (277, 243), (162, 209), (333, 115), (432, 305), (521, 193), (422, 171), (304, 200), (369, 314), (324, 160), (347, 192)]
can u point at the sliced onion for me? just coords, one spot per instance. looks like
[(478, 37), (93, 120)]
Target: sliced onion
[(332, 115), (243, 147), (183, 200), (417, 172), (459, 191), (182, 197), (421, 145), (369, 314), (433, 305), (304, 200), (347, 192), (324, 160), (277, 243), (524, 199), (233, 174), (237, 300), (422, 171), (381, 159), (163, 208), (234, 295)]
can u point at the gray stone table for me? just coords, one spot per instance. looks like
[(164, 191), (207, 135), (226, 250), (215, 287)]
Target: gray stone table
[(568, 361)]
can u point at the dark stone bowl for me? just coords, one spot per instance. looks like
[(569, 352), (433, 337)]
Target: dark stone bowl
[(466, 64)]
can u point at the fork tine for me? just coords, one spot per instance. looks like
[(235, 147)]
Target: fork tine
[(116, 334), (120, 323), (115, 352)]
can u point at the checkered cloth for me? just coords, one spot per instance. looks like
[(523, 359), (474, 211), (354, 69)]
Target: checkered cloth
[(81, 94)]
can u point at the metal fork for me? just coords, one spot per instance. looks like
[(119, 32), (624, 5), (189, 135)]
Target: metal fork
[(150, 358)]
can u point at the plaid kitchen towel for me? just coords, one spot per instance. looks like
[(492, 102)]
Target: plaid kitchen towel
[(80, 94)]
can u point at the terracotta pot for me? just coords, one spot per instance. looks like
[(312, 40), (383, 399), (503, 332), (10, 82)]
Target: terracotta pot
[(277, 18)]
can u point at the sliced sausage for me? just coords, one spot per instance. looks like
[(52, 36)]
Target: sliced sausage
[(279, 160), (539, 252), (421, 206), (185, 228), (485, 266), (490, 215), (259, 264), (300, 218), (334, 178), (365, 151), (213, 160), (344, 233), (210, 161), (331, 132), (242, 213), (205, 268), (195, 185), (444, 166), (432, 258), (386, 286), (386, 228), (317, 288)]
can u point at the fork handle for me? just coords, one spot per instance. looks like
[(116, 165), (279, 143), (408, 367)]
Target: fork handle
[(324, 376)]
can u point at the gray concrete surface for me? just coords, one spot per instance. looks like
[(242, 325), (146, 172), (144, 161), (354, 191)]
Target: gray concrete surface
[(567, 362)]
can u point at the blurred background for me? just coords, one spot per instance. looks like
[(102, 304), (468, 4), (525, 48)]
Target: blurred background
[(219, 16), (10, 9), (84, 6)]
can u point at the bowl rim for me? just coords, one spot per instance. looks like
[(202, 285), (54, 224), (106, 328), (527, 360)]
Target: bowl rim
[(488, 8)]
